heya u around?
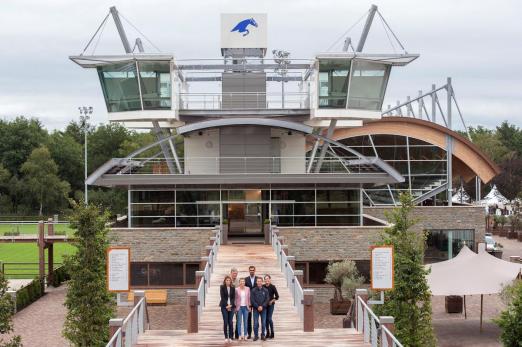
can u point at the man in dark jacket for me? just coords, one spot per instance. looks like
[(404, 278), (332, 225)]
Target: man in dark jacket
[(250, 282), (259, 299)]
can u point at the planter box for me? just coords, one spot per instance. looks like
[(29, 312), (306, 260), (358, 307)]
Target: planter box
[(497, 254), (512, 235), (520, 236), (453, 304), (503, 233), (339, 307)]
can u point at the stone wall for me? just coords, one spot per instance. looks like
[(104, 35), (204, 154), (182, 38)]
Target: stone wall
[(330, 243), (163, 244), (443, 217)]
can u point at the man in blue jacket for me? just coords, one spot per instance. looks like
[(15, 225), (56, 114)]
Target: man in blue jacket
[(259, 298)]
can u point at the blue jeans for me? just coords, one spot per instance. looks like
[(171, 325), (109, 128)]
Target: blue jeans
[(269, 321), (256, 321), (228, 328), (242, 318)]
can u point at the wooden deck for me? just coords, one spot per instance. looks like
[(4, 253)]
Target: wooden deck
[(288, 326)]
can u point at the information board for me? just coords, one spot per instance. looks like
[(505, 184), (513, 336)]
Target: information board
[(381, 267), (118, 269)]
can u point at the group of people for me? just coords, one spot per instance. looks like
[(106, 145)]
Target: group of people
[(248, 300)]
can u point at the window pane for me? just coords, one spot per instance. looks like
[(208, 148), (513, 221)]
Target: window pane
[(155, 85), (338, 195), (138, 274), (338, 208), (187, 210), (190, 273), (120, 87), (153, 209), (317, 272), (208, 209), (338, 220), (294, 195), (367, 85), (143, 222), (165, 274), (194, 196), (153, 196), (333, 83)]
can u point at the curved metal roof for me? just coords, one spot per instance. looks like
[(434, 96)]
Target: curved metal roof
[(244, 121)]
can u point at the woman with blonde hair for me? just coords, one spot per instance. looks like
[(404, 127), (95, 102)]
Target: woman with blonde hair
[(227, 304), (242, 308)]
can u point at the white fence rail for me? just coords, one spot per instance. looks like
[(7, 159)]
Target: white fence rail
[(374, 332), (204, 284), (291, 279), (134, 324)]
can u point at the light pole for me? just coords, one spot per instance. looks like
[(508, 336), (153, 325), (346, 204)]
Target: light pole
[(281, 59), (85, 112)]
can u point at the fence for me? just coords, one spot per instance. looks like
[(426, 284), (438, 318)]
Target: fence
[(125, 332), (373, 328), (204, 283), (22, 270)]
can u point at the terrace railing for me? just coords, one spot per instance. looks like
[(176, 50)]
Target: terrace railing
[(128, 329), (373, 328), (204, 283), (244, 100)]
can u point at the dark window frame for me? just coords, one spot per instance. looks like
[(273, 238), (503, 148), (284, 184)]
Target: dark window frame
[(184, 276)]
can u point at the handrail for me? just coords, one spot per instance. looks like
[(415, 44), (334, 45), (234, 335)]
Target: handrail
[(292, 281), (204, 284), (136, 323), (370, 325)]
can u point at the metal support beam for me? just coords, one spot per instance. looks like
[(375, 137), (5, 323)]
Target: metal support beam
[(366, 29), (164, 147), (450, 142), (139, 44), (312, 156), (449, 168), (347, 44), (433, 104), (329, 133), (121, 30), (174, 154)]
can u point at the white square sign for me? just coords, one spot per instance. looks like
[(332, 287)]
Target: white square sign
[(381, 267), (118, 269), (243, 30)]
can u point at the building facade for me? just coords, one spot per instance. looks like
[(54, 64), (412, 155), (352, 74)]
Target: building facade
[(301, 144)]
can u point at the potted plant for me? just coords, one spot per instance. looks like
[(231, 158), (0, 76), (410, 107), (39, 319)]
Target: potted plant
[(514, 222), (502, 221), (266, 231), (498, 250), (345, 278), (496, 222)]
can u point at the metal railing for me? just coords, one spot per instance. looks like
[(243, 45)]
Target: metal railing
[(136, 322), (204, 284), (244, 100), (245, 165), (292, 281), (23, 270), (376, 334)]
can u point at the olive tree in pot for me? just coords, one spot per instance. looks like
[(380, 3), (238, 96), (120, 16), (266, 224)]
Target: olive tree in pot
[(345, 278), (502, 220)]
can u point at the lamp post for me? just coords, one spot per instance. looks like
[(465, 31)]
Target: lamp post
[(281, 59), (85, 112)]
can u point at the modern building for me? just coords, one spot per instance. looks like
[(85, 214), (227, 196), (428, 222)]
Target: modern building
[(303, 144)]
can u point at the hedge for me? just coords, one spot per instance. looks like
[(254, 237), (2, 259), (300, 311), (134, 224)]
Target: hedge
[(60, 275), (29, 294)]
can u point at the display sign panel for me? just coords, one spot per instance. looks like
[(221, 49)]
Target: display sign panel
[(243, 30), (381, 267), (118, 269)]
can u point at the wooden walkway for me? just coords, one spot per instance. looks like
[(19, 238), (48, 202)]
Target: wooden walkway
[(288, 326)]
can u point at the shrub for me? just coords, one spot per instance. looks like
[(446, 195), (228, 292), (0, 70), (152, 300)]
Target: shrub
[(12, 233), (6, 314), (510, 320), (345, 277), (60, 275)]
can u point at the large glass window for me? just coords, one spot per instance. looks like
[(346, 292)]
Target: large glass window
[(155, 85), (333, 83), (120, 87), (163, 274), (444, 244), (367, 85)]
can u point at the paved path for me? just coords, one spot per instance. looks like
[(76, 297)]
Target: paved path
[(40, 324), (288, 326)]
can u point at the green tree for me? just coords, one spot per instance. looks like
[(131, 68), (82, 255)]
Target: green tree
[(6, 314), (18, 139), (510, 320), (105, 143), (66, 151), (5, 199), (511, 136), (410, 300), (489, 143), (89, 304), (40, 174)]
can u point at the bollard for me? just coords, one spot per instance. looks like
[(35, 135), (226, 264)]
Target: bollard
[(138, 295), (299, 276), (291, 261), (308, 310), (200, 275), (389, 323), (114, 325), (192, 311)]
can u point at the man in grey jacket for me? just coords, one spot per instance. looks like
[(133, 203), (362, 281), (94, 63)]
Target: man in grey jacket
[(259, 298)]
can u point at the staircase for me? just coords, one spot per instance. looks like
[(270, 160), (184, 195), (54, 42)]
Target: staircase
[(287, 324)]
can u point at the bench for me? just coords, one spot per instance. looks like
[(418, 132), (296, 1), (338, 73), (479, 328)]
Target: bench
[(153, 296)]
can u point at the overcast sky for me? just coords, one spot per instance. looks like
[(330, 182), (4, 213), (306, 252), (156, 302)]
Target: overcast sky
[(477, 43)]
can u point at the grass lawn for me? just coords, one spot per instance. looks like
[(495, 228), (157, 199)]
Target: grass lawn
[(28, 252), (32, 228)]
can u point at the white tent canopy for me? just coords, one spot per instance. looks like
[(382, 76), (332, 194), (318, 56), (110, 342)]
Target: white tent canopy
[(493, 198), (461, 197), (471, 274)]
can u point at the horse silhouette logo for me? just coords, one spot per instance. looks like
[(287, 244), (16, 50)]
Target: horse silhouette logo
[(242, 27)]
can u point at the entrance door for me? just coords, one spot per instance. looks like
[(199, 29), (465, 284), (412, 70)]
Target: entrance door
[(245, 219)]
